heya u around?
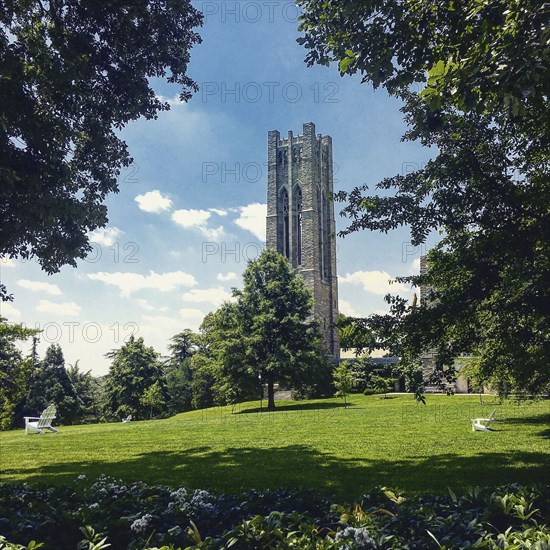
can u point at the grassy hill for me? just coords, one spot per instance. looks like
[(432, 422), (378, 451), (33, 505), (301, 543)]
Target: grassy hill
[(316, 444)]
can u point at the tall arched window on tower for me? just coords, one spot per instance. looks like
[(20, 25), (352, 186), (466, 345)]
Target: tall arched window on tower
[(321, 252), (327, 236), (299, 207), (286, 212)]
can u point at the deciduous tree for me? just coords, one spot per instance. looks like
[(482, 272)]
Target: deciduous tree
[(473, 77), (135, 368), (15, 372), (153, 397), (482, 55), (268, 335), (343, 381), (72, 74)]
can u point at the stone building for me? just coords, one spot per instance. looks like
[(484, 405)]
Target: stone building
[(300, 218)]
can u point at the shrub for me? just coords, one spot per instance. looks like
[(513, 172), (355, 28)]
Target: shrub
[(92, 515)]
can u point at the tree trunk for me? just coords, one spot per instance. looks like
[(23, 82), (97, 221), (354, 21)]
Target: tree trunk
[(270, 396)]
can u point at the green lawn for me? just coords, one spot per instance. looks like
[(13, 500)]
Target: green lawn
[(316, 444)]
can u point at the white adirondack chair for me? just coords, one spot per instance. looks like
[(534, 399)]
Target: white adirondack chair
[(41, 423), (127, 419), (483, 424)]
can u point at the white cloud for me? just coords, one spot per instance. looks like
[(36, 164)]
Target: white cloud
[(161, 322), (192, 316), (252, 218), (69, 309), (377, 282), (227, 276), (191, 218), (214, 234), (144, 304), (8, 311), (6, 262), (37, 286), (168, 326), (197, 219), (132, 282), (347, 309), (106, 236), (415, 267), (218, 211), (153, 201), (214, 296), (172, 101)]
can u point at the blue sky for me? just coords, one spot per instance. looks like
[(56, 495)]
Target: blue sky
[(191, 208)]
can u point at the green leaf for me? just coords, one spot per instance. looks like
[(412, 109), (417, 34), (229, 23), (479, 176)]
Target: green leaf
[(433, 537), (427, 93), (345, 63), (438, 69), (453, 496)]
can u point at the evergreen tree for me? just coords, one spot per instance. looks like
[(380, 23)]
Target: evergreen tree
[(51, 384), (178, 373), (87, 388), (182, 346)]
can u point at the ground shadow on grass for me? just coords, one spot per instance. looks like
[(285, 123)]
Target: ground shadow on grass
[(542, 420), (235, 470), (298, 407)]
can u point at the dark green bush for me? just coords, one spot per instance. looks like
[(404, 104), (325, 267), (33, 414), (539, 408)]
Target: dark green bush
[(145, 517)]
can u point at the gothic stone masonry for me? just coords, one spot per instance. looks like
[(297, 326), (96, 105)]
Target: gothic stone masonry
[(300, 218)]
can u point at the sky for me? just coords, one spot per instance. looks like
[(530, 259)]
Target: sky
[(191, 208)]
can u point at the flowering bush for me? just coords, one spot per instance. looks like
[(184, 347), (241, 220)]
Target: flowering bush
[(97, 513)]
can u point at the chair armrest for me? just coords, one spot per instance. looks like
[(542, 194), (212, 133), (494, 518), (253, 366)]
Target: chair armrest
[(27, 418)]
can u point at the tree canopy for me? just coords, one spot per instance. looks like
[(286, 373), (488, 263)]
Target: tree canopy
[(353, 335), (72, 74), (135, 368), (473, 77), (487, 55), (15, 372)]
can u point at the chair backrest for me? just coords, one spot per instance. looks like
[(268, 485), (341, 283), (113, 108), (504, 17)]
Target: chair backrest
[(48, 414)]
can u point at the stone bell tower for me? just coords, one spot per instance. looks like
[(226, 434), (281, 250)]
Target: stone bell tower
[(300, 218)]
